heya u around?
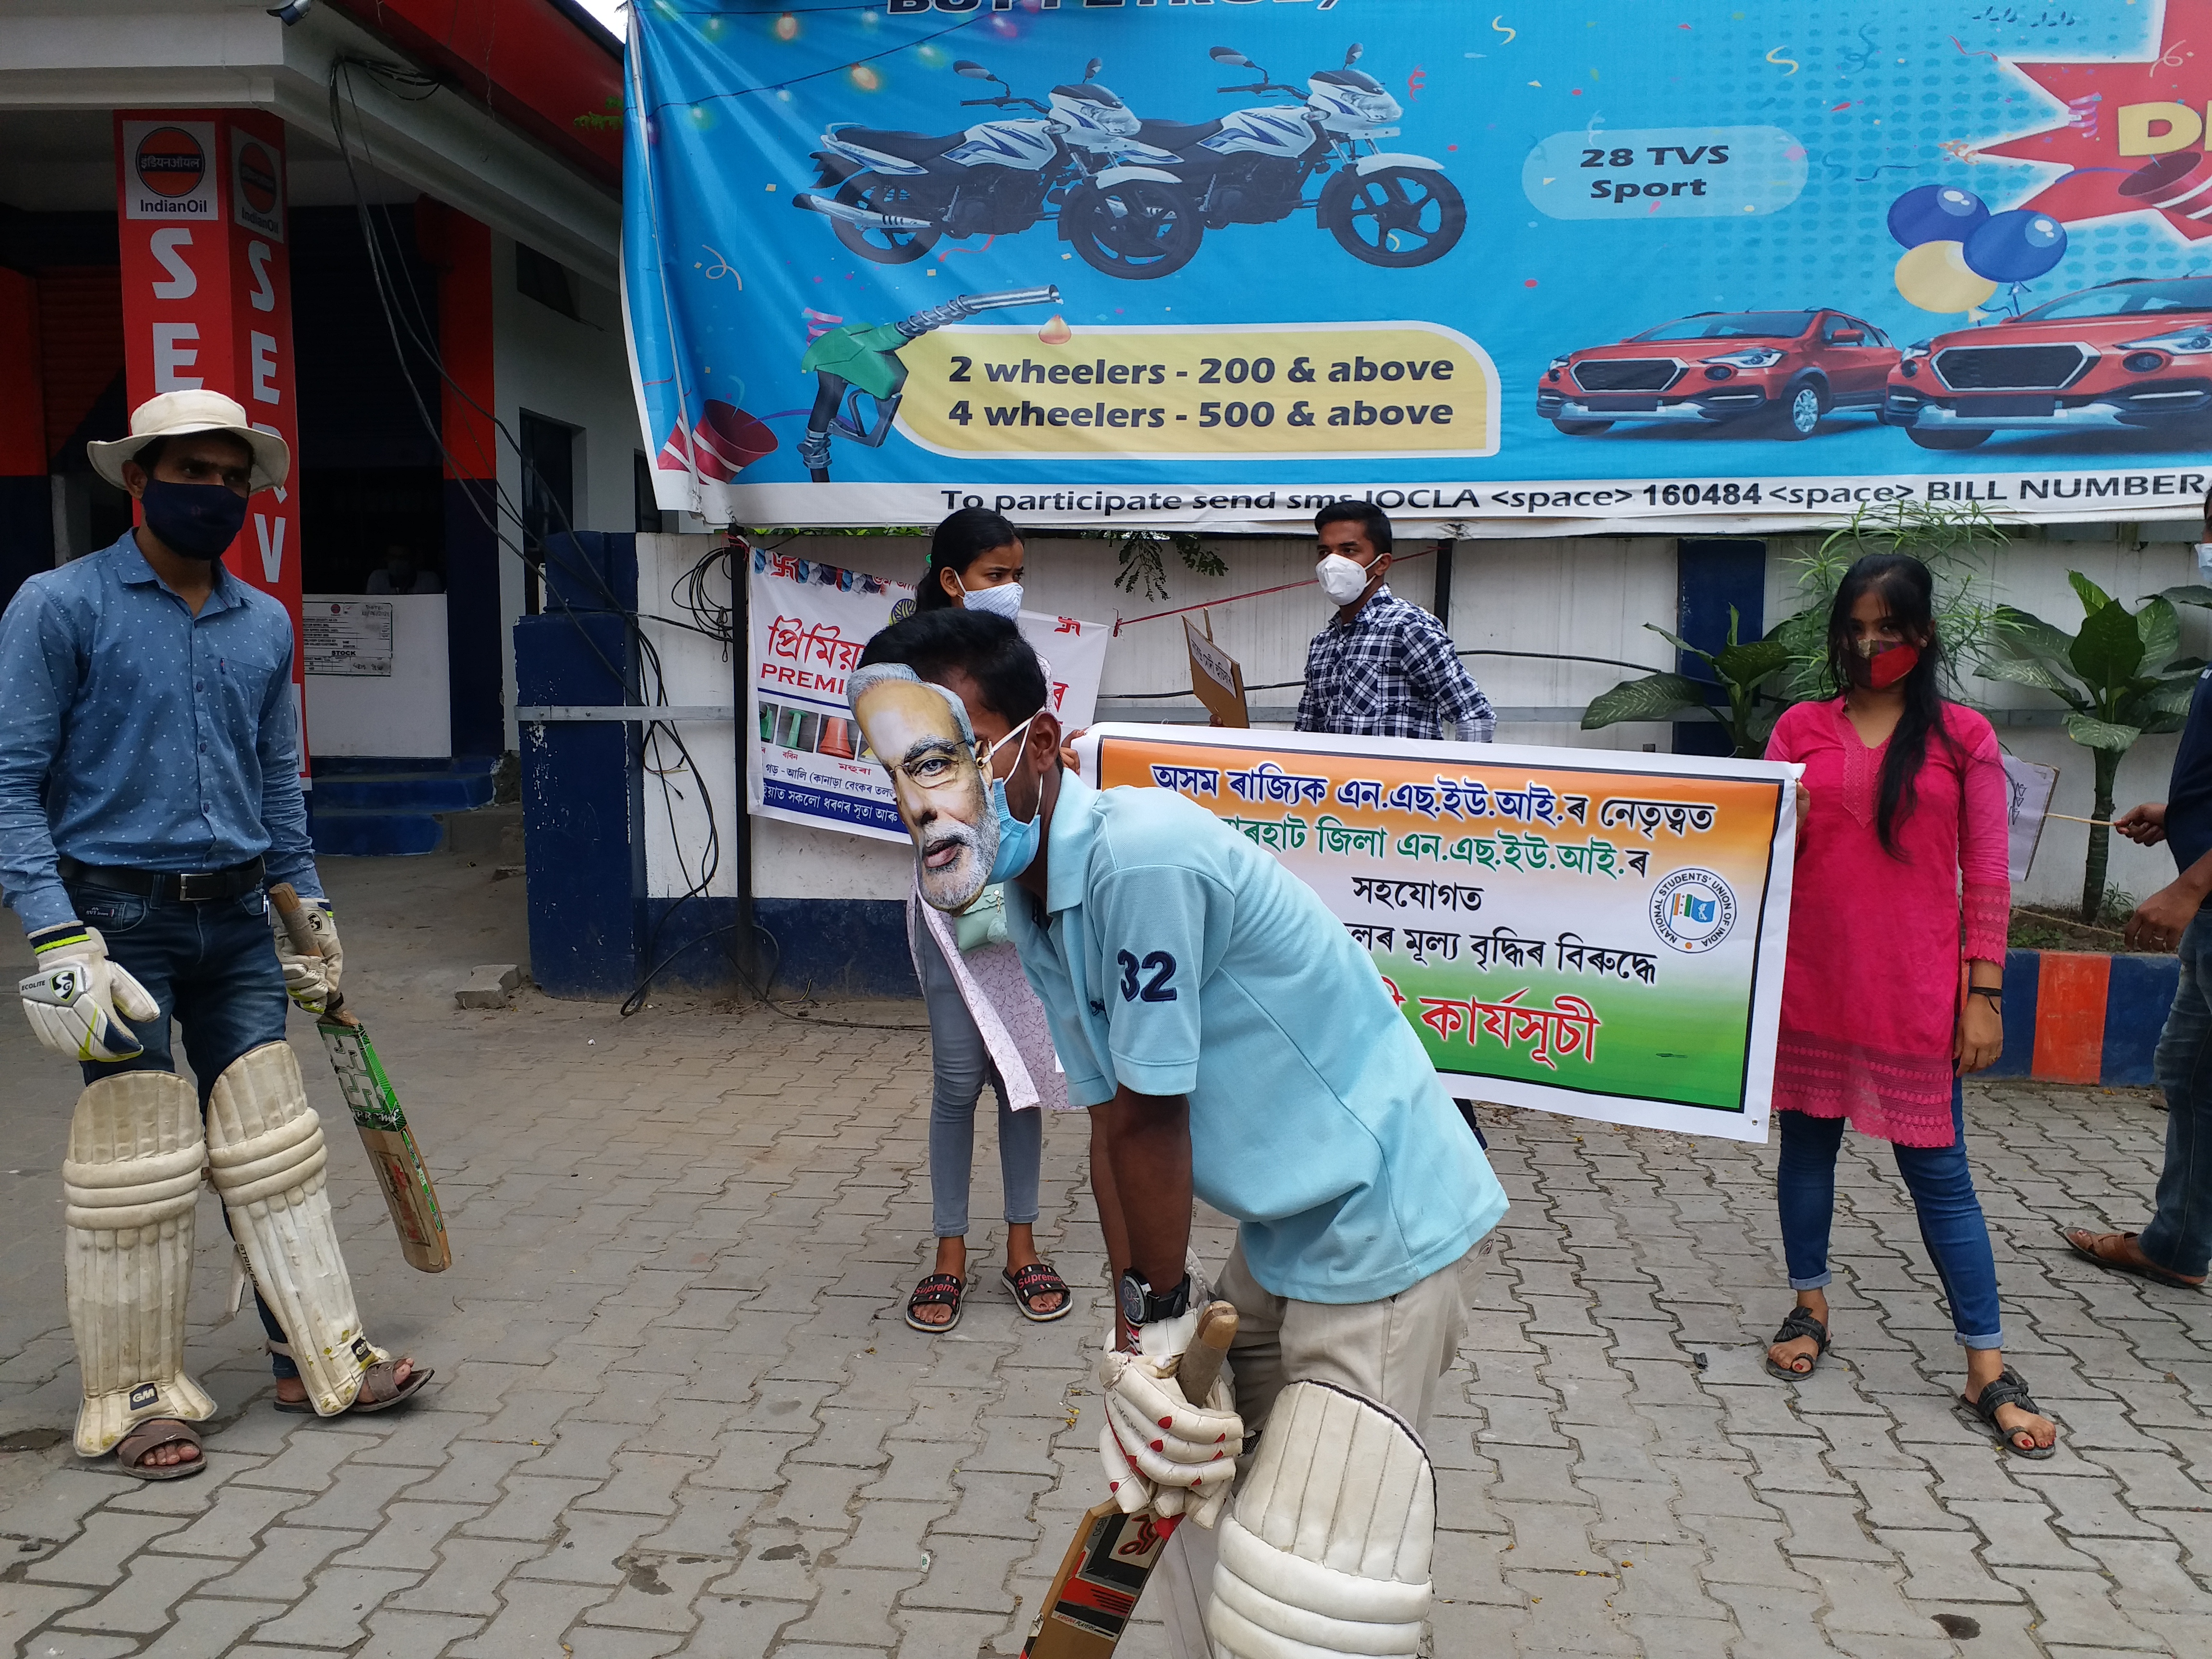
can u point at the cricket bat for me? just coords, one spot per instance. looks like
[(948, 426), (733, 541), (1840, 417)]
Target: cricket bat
[(377, 1113), (1105, 1569)]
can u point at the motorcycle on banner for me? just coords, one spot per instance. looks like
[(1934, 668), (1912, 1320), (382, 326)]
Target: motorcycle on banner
[(1252, 167), (897, 193)]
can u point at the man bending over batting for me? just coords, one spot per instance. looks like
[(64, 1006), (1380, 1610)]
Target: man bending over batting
[(1232, 1042)]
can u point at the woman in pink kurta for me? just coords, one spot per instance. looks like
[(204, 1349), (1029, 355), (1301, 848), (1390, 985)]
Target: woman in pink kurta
[(1901, 845)]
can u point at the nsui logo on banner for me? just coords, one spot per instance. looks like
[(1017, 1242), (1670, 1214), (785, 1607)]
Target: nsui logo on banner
[(1692, 910)]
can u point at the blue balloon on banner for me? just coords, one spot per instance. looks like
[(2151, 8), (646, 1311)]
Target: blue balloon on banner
[(2016, 247), (1935, 213)]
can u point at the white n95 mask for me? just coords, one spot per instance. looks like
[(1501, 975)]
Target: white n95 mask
[(1343, 579)]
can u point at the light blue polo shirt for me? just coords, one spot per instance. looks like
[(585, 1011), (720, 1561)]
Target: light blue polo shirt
[(1177, 958)]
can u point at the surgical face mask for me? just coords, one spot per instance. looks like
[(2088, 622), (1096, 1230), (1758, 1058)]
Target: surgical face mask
[(1004, 600), (1343, 579), (2204, 551), (197, 520), (1017, 842)]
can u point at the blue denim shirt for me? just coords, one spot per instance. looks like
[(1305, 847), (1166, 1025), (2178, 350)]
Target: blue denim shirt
[(133, 733)]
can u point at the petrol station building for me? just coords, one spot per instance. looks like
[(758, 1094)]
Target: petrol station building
[(389, 229)]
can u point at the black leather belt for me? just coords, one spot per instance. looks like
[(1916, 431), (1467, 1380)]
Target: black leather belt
[(174, 886)]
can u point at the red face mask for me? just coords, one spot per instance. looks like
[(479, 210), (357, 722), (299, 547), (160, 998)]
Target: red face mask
[(1885, 668)]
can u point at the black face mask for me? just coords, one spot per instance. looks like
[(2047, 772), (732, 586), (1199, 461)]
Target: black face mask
[(197, 520)]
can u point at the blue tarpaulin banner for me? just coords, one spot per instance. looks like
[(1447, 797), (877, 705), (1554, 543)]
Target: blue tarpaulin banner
[(1622, 265)]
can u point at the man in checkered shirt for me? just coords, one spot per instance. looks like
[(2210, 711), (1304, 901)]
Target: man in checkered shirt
[(1382, 668)]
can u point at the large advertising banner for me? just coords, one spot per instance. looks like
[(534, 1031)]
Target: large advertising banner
[(1589, 932), (809, 622), (1613, 265)]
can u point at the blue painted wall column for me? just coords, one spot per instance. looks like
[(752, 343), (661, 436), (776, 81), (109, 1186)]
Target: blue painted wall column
[(1710, 576), (582, 804)]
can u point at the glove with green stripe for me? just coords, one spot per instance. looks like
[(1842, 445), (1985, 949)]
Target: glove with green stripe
[(78, 1000)]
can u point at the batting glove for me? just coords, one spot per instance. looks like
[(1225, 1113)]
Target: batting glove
[(78, 1000), (1158, 1448), (310, 980)]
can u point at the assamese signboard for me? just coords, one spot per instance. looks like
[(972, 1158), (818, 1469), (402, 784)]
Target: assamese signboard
[(1585, 932)]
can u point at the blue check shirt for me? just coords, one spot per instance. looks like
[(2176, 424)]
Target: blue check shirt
[(1391, 671), (133, 733)]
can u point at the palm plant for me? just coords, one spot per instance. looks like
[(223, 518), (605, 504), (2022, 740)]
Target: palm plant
[(2121, 674), (1957, 541), (1744, 670), (1791, 664)]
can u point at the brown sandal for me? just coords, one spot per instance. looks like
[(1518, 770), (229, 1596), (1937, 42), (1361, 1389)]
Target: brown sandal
[(380, 1393), (2120, 1253), (151, 1436)]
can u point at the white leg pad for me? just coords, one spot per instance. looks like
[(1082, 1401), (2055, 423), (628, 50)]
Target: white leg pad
[(1328, 1550), (129, 1182), (266, 1146)]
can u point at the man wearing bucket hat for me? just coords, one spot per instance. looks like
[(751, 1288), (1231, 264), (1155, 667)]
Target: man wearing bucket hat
[(150, 793)]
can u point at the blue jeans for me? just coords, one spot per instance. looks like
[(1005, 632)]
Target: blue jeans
[(1943, 1188), (2180, 1236), (211, 966), (961, 1064)]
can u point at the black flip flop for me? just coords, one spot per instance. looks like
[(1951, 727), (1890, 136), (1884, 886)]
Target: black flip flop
[(937, 1290), (152, 1435), (2010, 1389), (1801, 1323), (1037, 1278)]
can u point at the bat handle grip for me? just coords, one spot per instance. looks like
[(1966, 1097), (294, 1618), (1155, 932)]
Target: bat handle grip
[(294, 915), (1200, 1365)]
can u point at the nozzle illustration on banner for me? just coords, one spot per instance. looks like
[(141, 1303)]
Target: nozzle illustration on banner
[(861, 360)]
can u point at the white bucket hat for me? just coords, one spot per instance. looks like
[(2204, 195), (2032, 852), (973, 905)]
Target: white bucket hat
[(176, 414)]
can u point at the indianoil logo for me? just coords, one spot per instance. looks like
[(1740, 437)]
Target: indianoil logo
[(1692, 910), (257, 178), (170, 162)]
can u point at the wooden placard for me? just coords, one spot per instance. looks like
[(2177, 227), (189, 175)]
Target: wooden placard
[(1216, 680)]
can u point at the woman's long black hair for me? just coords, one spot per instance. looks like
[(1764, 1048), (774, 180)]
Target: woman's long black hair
[(962, 539), (1909, 591)]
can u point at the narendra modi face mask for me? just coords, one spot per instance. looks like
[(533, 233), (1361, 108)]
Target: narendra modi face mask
[(921, 733)]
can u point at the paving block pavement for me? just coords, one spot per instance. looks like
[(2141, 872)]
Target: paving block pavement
[(678, 1412)]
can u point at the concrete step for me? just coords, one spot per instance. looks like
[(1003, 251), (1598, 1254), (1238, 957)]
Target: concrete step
[(350, 765), (403, 791), (353, 832)]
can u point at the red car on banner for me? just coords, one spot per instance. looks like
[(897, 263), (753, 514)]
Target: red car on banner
[(1784, 369), (2136, 353)]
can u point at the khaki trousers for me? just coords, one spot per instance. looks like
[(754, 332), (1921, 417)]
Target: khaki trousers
[(1393, 1351)]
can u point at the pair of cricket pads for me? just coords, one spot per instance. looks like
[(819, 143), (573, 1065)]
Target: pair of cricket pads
[(138, 1151), (1325, 1549), (136, 1157)]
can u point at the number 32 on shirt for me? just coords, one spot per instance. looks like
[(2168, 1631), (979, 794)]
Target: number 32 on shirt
[(1157, 985)]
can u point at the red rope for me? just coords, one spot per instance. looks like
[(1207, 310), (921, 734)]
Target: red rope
[(1120, 621)]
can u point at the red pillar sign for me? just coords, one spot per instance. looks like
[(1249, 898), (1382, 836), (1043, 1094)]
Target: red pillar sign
[(207, 302)]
